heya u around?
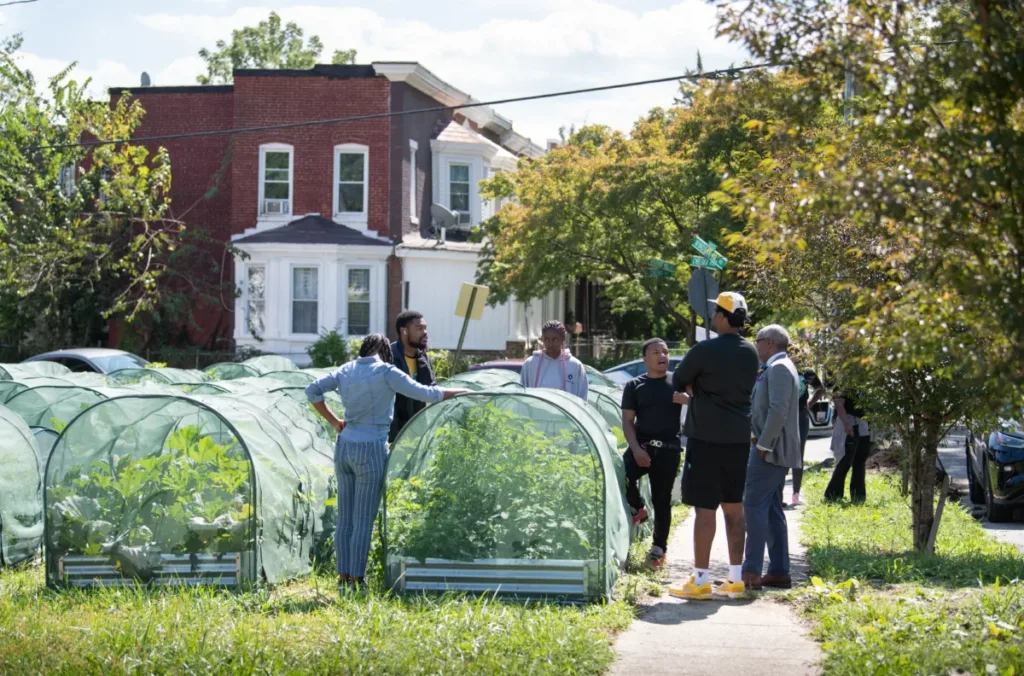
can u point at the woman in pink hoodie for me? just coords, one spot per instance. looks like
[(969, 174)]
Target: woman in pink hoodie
[(554, 366)]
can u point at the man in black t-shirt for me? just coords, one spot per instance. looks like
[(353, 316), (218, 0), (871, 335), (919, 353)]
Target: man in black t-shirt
[(719, 375), (650, 421)]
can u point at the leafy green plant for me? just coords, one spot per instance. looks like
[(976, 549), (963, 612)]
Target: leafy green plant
[(497, 487), (193, 495), (330, 349)]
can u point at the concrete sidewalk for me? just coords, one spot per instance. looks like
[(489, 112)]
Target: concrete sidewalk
[(718, 638)]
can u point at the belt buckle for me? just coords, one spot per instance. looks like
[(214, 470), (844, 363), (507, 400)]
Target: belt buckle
[(655, 443)]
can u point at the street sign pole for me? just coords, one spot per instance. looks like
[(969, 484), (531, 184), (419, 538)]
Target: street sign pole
[(465, 325)]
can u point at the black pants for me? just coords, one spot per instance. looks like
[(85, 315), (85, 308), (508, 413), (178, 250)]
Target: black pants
[(662, 473), (805, 432), (858, 449)]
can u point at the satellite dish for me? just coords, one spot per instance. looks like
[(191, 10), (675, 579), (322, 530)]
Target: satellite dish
[(443, 216), (146, 82)]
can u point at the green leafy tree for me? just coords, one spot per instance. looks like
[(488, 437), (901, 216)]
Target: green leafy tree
[(267, 45), (891, 228), (604, 203)]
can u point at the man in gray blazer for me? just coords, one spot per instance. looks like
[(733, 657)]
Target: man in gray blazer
[(774, 449)]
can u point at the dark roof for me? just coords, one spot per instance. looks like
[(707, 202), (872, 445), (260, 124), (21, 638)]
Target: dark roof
[(313, 230), (319, 70), (183, 89)]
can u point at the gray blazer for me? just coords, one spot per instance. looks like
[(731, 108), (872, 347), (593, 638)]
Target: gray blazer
[(775, 416)]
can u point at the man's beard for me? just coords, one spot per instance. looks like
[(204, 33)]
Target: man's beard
[(420, 345)]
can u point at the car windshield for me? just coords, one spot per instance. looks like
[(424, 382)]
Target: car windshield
[(119, 361)]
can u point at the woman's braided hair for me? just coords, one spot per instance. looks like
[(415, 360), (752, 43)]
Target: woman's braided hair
[(377, 345)]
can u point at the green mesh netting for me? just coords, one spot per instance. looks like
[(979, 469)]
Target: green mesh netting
[(269, 363), (54, 406), (32, 369), (21, 499), (595, 377), (166, 376), (319, 373), (45, 441), (10, 388), (483, 379), (203, 388), (291, 378), (244, 385), (298, 395), (140, 476), (230, 370), (608, 403), (495, 477)]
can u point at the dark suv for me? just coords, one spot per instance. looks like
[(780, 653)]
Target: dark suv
[(995, 469)]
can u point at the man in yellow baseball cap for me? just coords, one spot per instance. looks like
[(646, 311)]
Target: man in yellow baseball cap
[(720, 375)]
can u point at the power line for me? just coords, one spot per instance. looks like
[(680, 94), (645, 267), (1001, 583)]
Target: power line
[(710, 75), (16, 2)]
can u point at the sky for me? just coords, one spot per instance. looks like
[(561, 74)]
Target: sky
[(491, 49)]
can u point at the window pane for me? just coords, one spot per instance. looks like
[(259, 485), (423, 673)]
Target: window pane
[(275, 191), (350, 166), (350, 198), (358, 319), (276, 161), (304, 283), (359, 285), (459, 199), (304, 316), (257, 282), (459, 172), (276, 175), (255, 311)]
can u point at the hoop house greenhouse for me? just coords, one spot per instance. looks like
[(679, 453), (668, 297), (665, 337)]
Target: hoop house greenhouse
[(484, 379), (164, 376), (269, 363), (53, 406), (291, 378), (608, 403), (21, 499), (516, 493), (230, 370), (11, 388), (32, 369), (168, 490)]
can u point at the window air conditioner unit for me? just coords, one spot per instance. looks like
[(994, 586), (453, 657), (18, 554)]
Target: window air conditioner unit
[(464, 221), (277, 207)]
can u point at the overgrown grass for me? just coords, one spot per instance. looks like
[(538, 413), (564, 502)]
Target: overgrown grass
[(303, 627), (880, 608)]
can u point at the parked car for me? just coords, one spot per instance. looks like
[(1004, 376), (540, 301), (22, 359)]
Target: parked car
[(995, 469), (823, 417), (594, 377), (623, 373), (93, 359)]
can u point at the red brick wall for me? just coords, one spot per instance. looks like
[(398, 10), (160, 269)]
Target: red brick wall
[(264, 99)]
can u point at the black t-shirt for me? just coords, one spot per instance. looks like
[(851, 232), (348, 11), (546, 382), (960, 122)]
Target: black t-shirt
[(722, 372), (656, 416)]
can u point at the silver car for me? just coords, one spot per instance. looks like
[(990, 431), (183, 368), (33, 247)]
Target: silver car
[(93, 359)]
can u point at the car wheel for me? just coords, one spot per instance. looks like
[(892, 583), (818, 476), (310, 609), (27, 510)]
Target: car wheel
[(977, 492), (996, 513)]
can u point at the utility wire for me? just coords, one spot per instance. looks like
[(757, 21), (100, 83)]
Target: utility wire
[(710, 75), (16, 2)]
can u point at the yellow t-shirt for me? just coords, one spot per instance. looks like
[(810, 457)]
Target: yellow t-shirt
[(410, 362)]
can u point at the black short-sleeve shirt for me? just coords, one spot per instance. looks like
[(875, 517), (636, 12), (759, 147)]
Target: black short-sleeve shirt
[(656, 416)]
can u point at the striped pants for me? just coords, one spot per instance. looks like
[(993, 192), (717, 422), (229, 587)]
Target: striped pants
[(360, 470)]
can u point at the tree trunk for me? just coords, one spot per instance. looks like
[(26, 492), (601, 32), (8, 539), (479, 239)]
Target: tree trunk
[(923, 444)]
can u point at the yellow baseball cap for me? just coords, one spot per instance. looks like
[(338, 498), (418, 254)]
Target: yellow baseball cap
[(731, 302)]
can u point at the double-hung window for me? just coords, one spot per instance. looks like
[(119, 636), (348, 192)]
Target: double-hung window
[(414, 216), (351, 182), (358, 301), (305, 300), (275, 180), (255, 300), (458, 187)]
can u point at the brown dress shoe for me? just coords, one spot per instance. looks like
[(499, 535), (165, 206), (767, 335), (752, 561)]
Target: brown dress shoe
[(752, 581), (777, 581)]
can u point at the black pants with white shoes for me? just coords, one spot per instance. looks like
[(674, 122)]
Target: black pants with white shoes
[(662, 474)]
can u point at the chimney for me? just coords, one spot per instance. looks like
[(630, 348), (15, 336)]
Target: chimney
[(146, 82)]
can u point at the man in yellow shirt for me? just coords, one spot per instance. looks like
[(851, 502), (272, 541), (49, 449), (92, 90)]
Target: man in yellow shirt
[(410, 355)]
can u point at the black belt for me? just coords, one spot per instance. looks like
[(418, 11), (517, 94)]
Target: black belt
[(661, 445)]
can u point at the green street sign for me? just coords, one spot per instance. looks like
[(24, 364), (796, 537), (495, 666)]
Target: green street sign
[(715, 256), (658, 272), (704, 248), (708, 262), (658, 264)]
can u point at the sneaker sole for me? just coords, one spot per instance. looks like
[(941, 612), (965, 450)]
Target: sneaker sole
[(692, 597), (729, 595)]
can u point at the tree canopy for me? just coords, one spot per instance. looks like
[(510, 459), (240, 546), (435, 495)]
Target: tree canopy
[(266, 45)]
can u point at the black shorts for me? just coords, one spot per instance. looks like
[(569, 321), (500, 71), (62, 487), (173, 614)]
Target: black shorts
[(714, 473)]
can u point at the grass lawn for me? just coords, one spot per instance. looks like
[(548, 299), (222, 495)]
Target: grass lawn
[(303, 627), (879, 608)]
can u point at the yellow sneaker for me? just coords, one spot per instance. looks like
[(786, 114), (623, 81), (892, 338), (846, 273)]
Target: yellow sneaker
[(691, 591), (730, 590)]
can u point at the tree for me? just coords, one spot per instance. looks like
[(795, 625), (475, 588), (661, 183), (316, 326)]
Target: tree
[(889, 227), (602, 204), (86, 234), (265, 46)]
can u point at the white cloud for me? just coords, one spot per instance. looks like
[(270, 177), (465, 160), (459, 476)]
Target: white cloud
[(566, 45)]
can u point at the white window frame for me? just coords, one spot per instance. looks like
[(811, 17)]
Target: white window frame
[(469, 184), (276, 148), (353, 218), (414, 214), (348, 301), (246, 323), (319, 298)]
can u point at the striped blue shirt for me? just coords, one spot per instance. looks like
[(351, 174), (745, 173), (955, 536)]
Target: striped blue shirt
[(367, 387)]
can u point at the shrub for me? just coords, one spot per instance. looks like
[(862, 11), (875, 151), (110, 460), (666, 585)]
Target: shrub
[(331, 349)]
